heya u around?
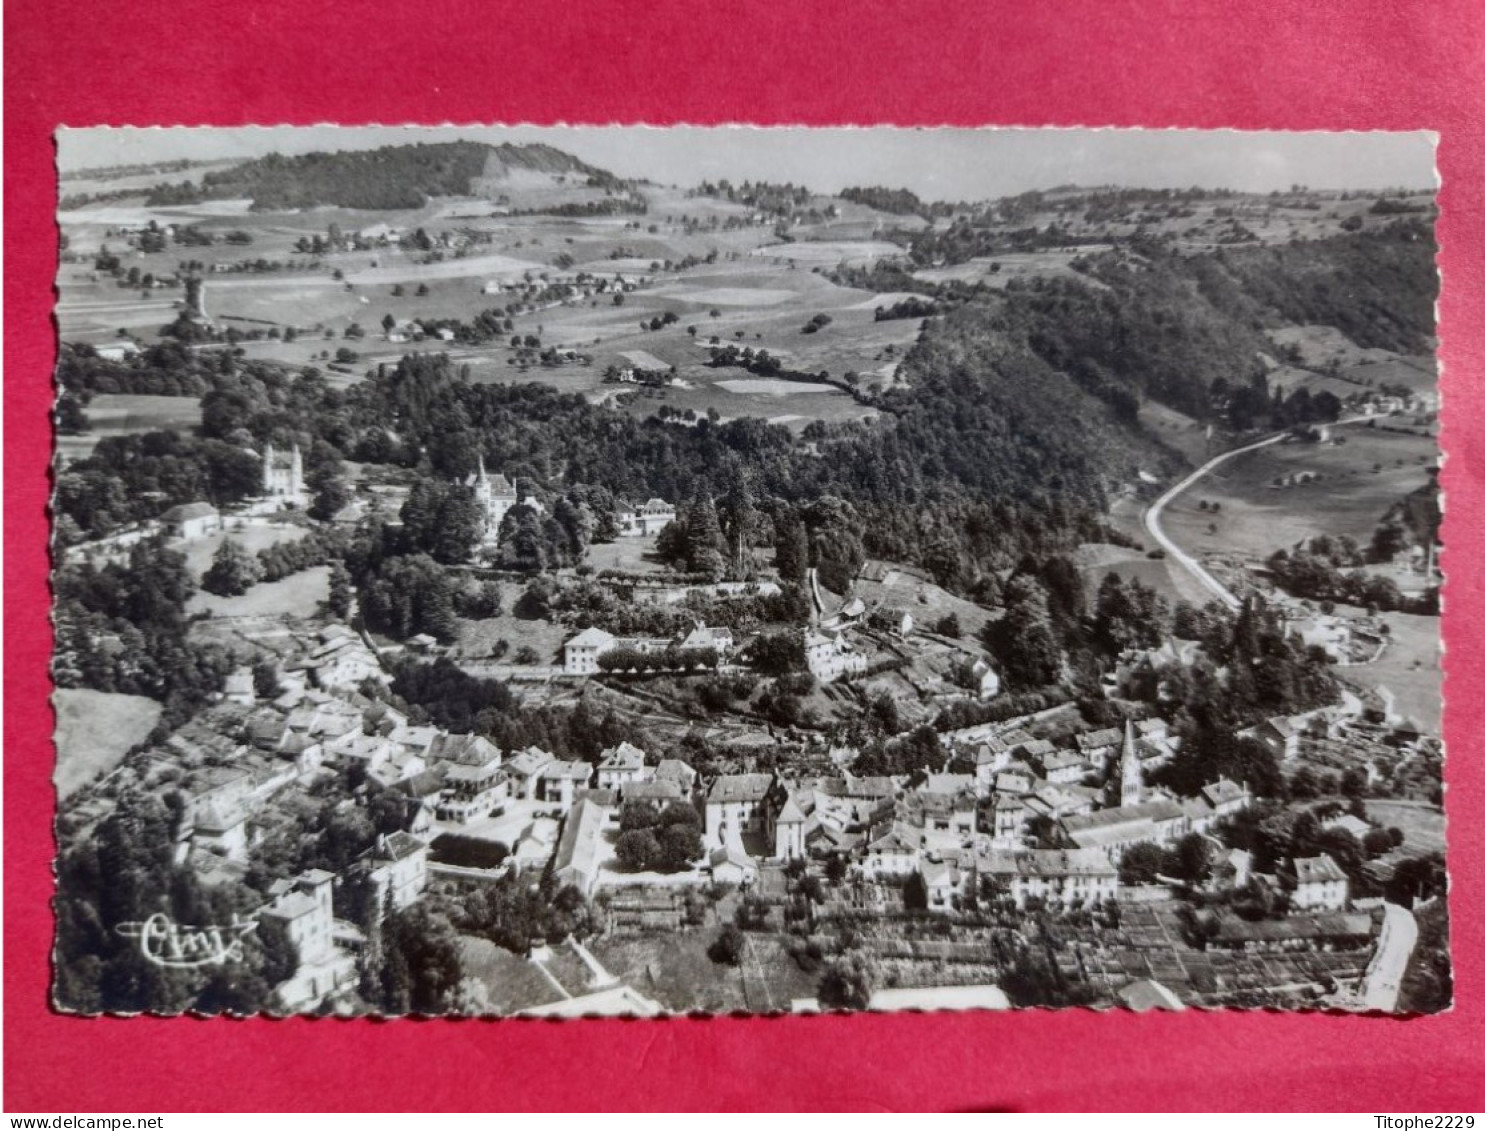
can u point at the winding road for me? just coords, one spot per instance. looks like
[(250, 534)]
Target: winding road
[(1189, 563)]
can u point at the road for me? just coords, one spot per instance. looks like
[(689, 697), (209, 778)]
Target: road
[(1383, 980), (1189, 563)]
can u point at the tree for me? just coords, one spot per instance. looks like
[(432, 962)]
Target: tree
[(232, 571), (389, 321), (704, 541), (1140, 864), (637, 850), (778, 653), (265, 682), (848, 983), (329, 489), (338, 600), (727, 948), (792, 552), (678, 846)]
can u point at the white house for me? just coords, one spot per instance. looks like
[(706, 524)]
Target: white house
[(1319, 883), (736, 803), (622, 765), (1065, 878), (580, 654), (646, 520), (191, 520), (829, 656)]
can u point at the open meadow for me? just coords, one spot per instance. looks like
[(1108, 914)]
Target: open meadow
[(95, 729), (1273, 498)]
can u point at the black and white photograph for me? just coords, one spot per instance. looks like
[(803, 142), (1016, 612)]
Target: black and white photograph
[(515, 571)]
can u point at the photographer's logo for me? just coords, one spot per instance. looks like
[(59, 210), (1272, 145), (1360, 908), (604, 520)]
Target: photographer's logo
[(167, 943)]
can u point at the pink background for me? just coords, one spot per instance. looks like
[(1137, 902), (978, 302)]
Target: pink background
[(1320, 64)]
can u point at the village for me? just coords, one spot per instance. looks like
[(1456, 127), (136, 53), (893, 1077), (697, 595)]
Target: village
[(542, 593), (1023, 820)]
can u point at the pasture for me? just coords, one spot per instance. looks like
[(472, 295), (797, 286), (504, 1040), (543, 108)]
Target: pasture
[(1409, 668), (1422, 825), (1354, 484), (298, 595), (95, 729)]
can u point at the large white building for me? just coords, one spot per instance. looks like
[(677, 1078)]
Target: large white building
[(283, 476)]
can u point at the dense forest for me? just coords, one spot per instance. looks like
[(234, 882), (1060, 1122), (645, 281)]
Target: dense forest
[(395, 176)]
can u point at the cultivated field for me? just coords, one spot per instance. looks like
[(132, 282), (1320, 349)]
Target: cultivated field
[(95, 729)]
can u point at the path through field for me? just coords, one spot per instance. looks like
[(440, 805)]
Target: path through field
[(1189, 563)]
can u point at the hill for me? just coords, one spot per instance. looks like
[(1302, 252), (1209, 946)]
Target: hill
[(392, 177)]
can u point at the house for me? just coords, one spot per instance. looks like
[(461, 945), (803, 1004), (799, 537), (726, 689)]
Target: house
[(990, 757), (987, 680), (622, 765), (305, 912), (524, 770), (580, 653), (302, 911), (730, 864), (828, 656), (737, 803), (1062, 767), (1225, 798), (343, 661), (1280, 735), (1015, 782), (646, 520), (578, 849), (117, 351), (1098, 745), (789, 828), (238, 688), (396, 869), (894, 852), (674, 770), (1060, 877), (560, 780), (1009, 816), (221, 828), (1319, 883), (718, 640), (941, 883), (474, 786), (190, 521)]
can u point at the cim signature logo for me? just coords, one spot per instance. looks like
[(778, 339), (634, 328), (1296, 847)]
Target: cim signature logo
[(168, 943)]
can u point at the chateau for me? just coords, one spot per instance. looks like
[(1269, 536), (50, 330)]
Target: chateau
[(283, 476), (496, 496)]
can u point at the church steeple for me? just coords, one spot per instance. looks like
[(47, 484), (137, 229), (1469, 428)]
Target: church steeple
[(1131, 786)]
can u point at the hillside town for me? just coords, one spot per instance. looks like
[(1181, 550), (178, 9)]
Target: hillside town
[(455, 695)]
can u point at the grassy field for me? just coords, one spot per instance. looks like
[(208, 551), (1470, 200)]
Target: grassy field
[(298, 595), (1356, 482), (1422, 825), (1409, 668), (95, 729), (122, 414)]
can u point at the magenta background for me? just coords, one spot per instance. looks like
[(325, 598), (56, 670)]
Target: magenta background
[(1331, 64)]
